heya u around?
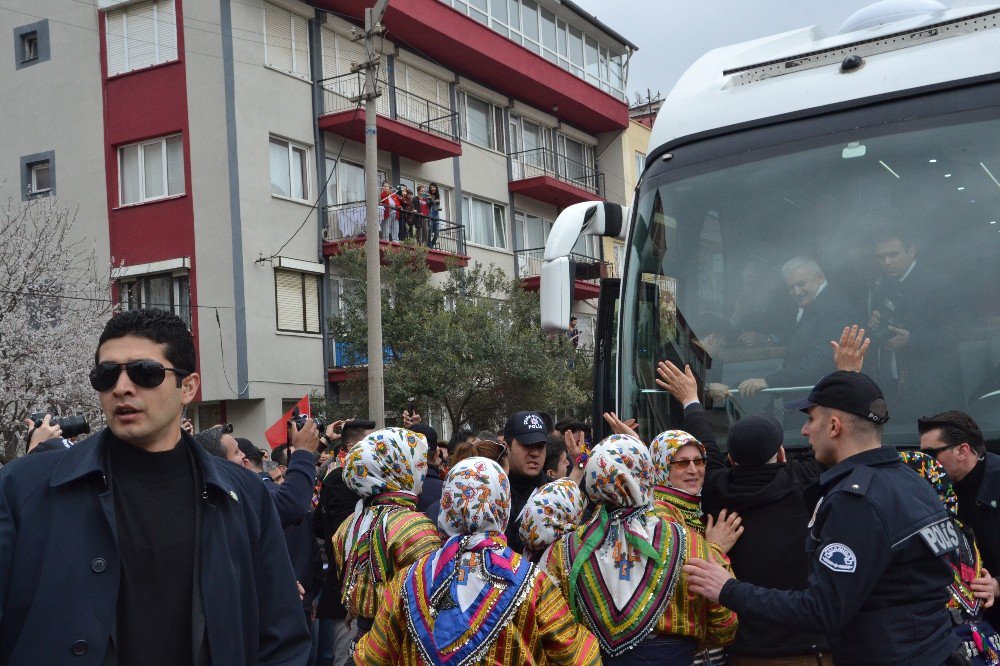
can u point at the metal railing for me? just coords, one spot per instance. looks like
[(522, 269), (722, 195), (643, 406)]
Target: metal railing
[(547, 162), (347, 220), (340, 93), (528, 263)]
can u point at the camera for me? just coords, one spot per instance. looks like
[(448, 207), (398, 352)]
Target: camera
[(72, 425), (300, 421)]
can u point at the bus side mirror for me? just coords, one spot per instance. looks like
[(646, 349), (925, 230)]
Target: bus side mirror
[(556, 294)]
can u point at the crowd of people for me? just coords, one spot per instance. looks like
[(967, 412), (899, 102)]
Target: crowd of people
[(405, 214), (149, 544)]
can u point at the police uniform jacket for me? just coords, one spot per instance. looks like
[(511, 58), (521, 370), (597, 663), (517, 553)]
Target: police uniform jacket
[(877, 581)]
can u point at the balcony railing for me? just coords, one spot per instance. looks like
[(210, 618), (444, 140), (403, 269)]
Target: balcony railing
[(528, 263), (341, 93), (547, 162), (347, 221)]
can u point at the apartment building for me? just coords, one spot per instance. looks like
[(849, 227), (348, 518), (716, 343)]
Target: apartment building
[(215, 155)]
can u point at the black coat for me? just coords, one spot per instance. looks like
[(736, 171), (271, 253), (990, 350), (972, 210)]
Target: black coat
[(878, 579), (60, 567), (430, 494), (771, 552), (336, 504), (521, 488), (983, 518), (807, 342)]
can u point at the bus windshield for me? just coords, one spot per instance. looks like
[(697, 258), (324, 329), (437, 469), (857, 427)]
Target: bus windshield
[(747, 268)]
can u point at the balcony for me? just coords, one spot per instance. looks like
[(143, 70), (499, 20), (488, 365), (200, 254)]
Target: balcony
[(547, 176), (346, 227), (408, 124), (588, 272), (472, 49)]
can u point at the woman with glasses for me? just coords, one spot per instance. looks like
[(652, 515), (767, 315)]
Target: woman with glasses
[(622, 571), (474, 601)]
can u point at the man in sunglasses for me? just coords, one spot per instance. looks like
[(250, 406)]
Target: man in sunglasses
[(956, 441), (136, 546)]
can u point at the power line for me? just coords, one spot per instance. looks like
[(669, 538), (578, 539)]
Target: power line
[(107, 301)]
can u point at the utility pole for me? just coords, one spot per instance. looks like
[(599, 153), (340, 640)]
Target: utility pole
[(376, 379)]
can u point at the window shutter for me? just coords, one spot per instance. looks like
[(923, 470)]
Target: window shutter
[(278, 37), (288, 287), (312, 303), (300, 43), (166, 30), (425, 85), (329, 49), (114, 24), (141, 36), (348, 52)]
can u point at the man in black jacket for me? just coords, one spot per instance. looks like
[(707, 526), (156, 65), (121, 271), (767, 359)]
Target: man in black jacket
[(956, 441), (767, 491), (430, 494), (526, 435), (822, 313), (136, 546)]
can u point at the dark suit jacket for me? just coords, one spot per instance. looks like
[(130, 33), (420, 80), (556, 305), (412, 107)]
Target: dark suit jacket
[(807, 344)]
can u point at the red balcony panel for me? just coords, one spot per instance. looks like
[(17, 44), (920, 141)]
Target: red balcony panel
[(551, 191), (472, 49), (337, 375), (393, 136), (437, 260), (583, 290)]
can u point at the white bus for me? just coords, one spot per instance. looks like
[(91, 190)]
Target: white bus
[(798, 183)]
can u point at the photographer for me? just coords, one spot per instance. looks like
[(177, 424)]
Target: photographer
[(46, 431), (293, 497)]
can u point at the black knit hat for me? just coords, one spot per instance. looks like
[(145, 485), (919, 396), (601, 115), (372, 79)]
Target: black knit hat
[(754, 440)]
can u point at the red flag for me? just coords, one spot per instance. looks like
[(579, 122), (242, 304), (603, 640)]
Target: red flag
[(277, 434)]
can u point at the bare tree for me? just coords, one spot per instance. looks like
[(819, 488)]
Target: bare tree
[(53, 305)]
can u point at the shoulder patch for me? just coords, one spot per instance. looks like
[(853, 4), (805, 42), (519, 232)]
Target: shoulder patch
[(838, 557), (940, 537)]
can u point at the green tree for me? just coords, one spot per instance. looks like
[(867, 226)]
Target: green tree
[(469, 344)]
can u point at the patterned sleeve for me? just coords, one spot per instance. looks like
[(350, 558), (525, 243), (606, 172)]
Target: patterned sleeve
[(555, 567), (412, 538), (564, 641), (721, 629), (382, 645), (339, 542)]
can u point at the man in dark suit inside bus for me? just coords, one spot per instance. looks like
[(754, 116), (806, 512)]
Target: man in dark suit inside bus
[(821, 317)]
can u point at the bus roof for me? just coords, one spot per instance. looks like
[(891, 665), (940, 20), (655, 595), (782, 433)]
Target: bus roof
[(801, 69)]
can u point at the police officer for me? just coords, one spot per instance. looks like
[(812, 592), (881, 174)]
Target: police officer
[(877, 582)]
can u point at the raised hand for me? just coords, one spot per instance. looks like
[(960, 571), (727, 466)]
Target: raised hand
[(849, 353), (682, 385)]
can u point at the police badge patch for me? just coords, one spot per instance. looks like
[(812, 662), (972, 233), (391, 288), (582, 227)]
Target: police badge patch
[(838, 557)]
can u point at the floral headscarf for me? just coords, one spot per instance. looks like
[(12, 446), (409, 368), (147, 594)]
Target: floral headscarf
[(550, 512), (664, 447), (625, 564), (461, 596), (390, 460), (387, 468)]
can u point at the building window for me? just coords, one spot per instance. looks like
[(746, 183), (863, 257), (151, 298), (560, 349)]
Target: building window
[(140, 35), (286, 41), (38, 175), (289, 171), (486, 222), (151, 170), (297, 298), (482, 122), (41, 182), (31, 44), (640, 163), (165, 292)]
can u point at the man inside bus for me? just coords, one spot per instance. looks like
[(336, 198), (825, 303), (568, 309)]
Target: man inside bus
[(822, 314), (906, 319)]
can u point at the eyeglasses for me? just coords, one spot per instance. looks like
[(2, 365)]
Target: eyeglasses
[(933, 453), (144, 373), (681, 464)]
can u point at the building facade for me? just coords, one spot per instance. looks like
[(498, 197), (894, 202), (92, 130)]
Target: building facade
[(214, 151)]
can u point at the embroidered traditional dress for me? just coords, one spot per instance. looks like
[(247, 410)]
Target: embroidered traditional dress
[(623, 571), (385, 534), (674, 503), (474, 600)]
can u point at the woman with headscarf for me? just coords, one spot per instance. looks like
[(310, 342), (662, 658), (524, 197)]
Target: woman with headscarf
[(623, 572), (474, 600), (550, 512), (385, 534), (972, 585)]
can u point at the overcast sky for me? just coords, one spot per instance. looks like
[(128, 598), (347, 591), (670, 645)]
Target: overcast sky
[(672, 34)]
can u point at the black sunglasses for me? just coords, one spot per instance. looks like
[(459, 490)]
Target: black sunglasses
[(933, 453), (145, 373)]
